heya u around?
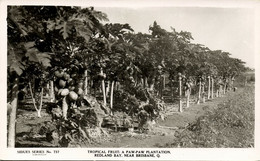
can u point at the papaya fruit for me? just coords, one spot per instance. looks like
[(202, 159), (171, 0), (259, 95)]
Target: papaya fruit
[(71, 88), (65, 108), (64, 92), (80, 85), (58, 74), (80, 91), (66, 76), (59, 91), (62, 83), (74, 75), (73, 96), (71, 82), (56, 89)]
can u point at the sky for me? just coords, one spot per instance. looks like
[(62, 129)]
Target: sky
[(228, 29)]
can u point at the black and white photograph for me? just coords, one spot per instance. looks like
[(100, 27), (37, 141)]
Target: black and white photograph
[(130, 80)]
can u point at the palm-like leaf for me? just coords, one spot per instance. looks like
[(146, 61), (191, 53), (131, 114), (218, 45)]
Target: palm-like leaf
[(34, 55)]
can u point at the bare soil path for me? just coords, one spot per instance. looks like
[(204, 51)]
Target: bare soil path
[(163, 133)]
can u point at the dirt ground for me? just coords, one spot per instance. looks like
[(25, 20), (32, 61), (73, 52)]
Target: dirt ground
[(162, 133)]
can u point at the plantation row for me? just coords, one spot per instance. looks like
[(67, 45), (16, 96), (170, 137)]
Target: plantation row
[(72, 55), (231, 124)]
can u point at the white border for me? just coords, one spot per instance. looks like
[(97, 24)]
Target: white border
[(176, 153)]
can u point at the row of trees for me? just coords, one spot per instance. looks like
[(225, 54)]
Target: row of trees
[(74, 52)]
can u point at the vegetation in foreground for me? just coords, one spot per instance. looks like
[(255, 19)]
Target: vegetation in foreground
[(231, 124)]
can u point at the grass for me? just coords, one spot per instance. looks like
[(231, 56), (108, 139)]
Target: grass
[(230, 125)]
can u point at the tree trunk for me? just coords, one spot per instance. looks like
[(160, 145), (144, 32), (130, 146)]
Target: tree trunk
[(164, 80), (136, 81), (112, 94), (161, 86), (40, 107), (86, 82), (12, 118), (198, 102), (229, 83), (52, 92), (209, 87), (180, 95), (38, 110), (48, 88), (32, 95), (151, 85), (232, 83), (172, 91), (100, 89), (212, 90), (65, 108), (225, 86), (188, 98), (145, 82), (203, 93), (245, 81), (38, 113), (107, 88), (118, 85), (221, 92), (103, 88)]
